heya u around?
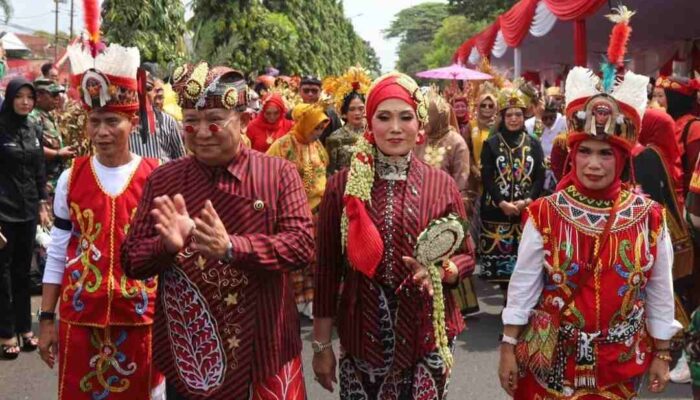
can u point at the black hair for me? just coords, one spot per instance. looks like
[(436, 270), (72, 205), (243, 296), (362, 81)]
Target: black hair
[(679, 104), (348, 99), (45, 68)]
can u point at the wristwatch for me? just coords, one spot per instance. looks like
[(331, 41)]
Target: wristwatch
[(319, 347), (228, 257), (509, 340), (46, 316)]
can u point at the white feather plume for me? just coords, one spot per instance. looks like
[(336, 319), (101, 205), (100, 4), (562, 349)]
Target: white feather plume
[(632, 90), (116, 60), (580, 83)]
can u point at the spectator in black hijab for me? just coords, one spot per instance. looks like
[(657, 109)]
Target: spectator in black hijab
[(22, 201)]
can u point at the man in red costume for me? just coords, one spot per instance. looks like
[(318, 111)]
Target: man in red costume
[(223, 229), (104, 337)]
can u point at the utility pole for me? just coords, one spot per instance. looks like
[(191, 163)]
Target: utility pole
[(71, 21), (55, 42)]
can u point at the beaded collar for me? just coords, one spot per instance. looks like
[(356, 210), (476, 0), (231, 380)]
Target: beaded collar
[(392, 168)]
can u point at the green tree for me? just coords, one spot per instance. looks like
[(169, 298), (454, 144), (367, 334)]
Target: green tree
[(415, 27), (418, 23), (477, 10), (295, 36), (156, 27), (454, 31)]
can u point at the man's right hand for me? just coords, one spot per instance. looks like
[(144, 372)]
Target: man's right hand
[(323, 365), (173, 222), (48, 342), (508, 369)]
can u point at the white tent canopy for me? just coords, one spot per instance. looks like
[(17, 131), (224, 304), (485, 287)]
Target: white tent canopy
[(10, 41)]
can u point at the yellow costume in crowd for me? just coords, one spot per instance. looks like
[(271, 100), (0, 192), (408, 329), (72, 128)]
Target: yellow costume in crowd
[(305, 151)]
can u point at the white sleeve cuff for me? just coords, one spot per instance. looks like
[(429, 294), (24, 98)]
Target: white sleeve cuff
[(514, 316), (663, 330)]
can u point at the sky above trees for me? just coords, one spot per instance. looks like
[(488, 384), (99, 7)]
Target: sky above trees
[(368, 16)]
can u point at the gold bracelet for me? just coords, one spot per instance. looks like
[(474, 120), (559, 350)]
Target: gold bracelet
[(663, 357)]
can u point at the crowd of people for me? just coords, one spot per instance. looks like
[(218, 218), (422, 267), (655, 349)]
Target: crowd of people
[(194, 223)]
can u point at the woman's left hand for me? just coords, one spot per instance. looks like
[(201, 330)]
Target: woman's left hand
[(44, 217), (658, 375), (421, 276)]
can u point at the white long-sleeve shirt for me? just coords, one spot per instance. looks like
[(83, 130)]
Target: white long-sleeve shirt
[(548, 134), (527, 282), (111, 179)]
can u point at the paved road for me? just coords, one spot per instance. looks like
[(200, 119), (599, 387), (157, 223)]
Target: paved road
[(474, 376)]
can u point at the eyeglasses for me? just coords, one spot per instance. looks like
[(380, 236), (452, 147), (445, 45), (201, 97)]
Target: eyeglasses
[(192, 128), (549, 117), (485, 105)]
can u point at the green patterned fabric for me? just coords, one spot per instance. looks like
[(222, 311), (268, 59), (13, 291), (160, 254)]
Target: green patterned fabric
[(692, 347)]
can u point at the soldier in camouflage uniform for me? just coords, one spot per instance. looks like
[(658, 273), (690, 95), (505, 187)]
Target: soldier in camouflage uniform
[(56, 154)]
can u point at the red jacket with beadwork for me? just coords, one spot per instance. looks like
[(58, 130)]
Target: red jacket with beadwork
[(427, 194), (94, 290), (603, 338)]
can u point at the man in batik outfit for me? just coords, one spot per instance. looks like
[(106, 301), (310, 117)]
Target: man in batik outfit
[(223, 229)]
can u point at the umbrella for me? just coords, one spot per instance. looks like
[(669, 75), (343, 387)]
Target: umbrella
[(454, 71)]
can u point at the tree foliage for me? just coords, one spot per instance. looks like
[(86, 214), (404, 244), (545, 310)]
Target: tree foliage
[(430, 33), (156, 27), (454, 31), (294, 36), (418, 23), (477, 10)]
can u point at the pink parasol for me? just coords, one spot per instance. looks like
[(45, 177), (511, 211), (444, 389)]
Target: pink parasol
[(454, 71)]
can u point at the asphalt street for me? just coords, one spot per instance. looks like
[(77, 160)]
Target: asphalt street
[(474, 376)]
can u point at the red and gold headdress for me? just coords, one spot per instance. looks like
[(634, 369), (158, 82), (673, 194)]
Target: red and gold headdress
[(683, 86), (108, 78), (200, 86), (615, 103)]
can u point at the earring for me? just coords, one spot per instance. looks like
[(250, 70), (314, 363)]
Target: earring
[(369, 137), (421, 138)]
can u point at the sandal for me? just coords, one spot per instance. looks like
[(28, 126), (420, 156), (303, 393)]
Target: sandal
[(29, 342), (9, 351)]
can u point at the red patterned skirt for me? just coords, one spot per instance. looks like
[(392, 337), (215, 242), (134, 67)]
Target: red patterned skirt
[(112, 363)]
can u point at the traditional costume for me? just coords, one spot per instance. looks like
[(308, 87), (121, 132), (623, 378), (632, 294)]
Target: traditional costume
[(227, 329), (446, 149), (680, 95), (351, 85), (261, 132), (371, 216), (310, 158), (512, 169), (593, 280), (106, 319)]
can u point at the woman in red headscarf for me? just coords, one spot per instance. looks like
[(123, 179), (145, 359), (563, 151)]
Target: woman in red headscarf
[(370, 220), (590, 303), (657, 170), (270, 125)]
